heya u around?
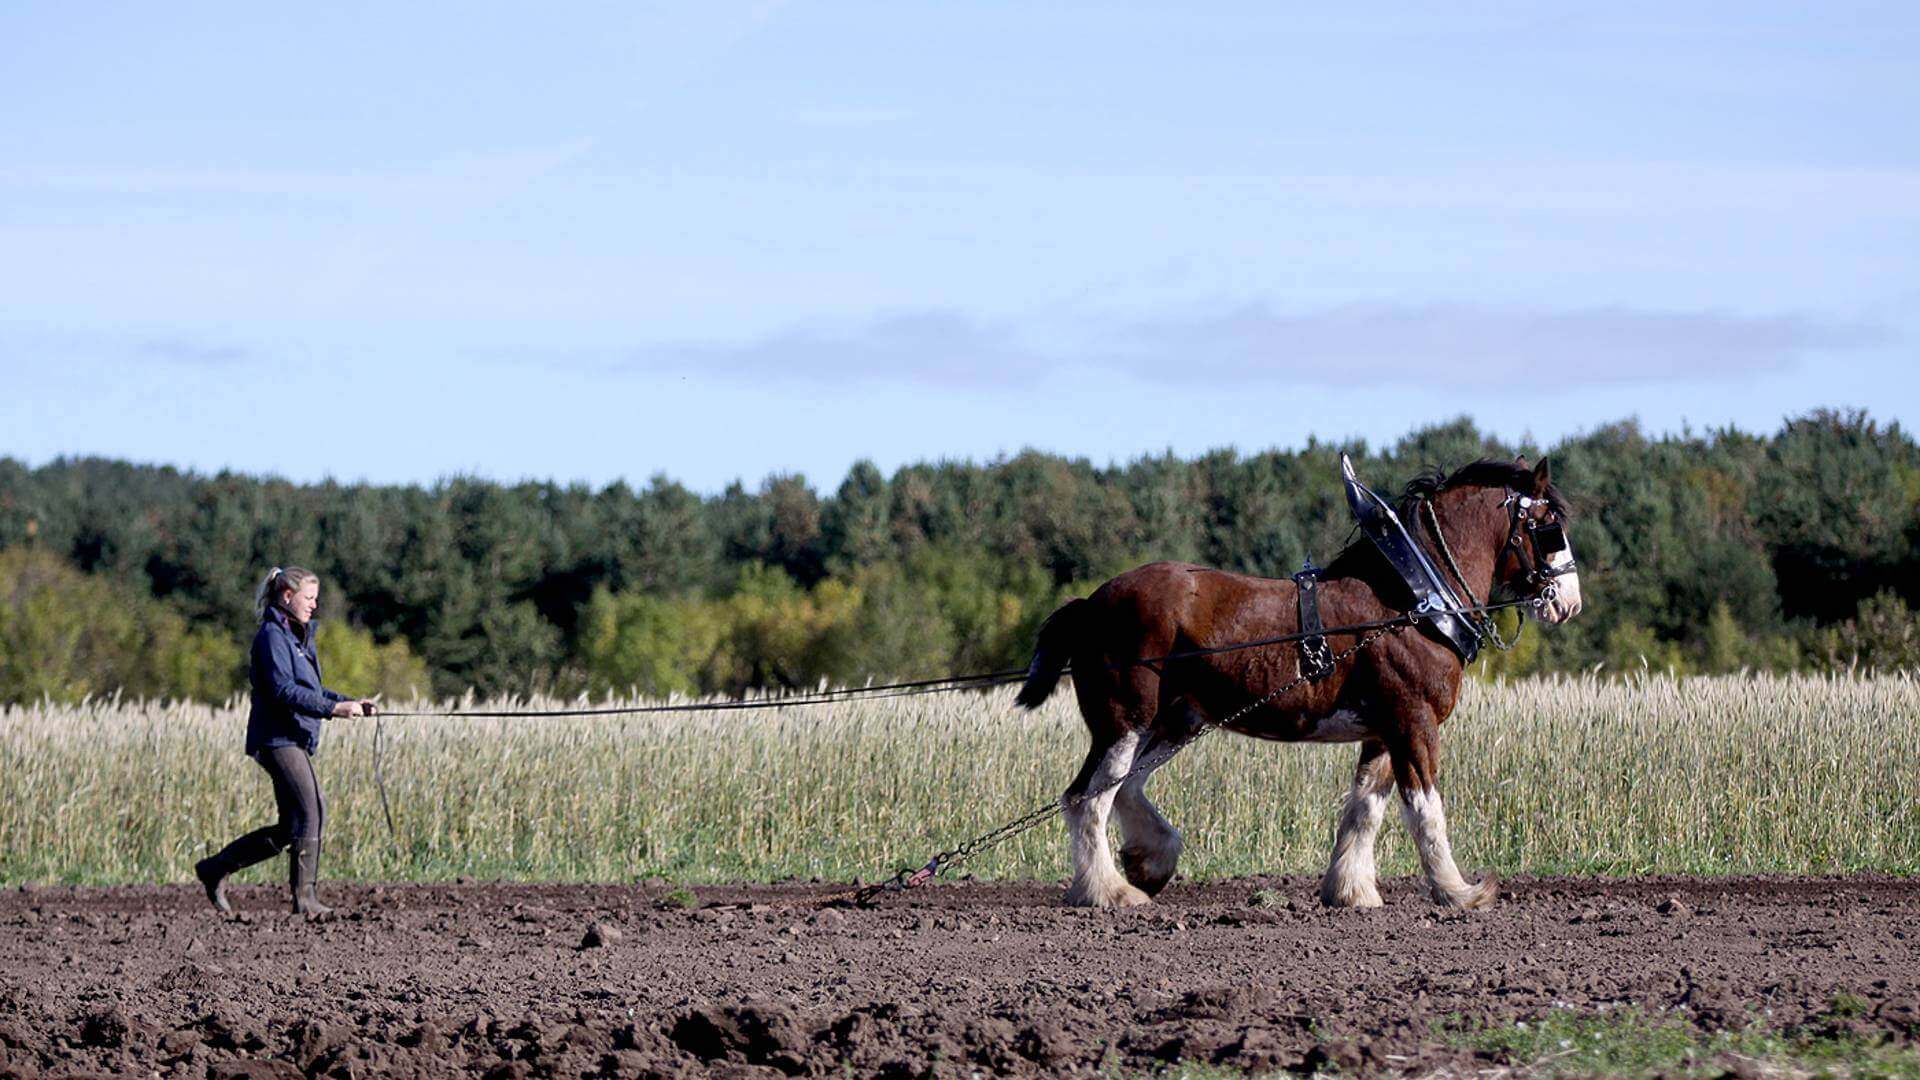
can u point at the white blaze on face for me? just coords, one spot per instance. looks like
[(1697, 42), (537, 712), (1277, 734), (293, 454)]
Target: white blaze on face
[(1566, 597)]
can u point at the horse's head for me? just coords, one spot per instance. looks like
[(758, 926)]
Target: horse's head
[(1513, 511), (1536, 560)]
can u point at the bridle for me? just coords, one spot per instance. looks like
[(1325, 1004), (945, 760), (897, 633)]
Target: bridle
[(1543, 539)]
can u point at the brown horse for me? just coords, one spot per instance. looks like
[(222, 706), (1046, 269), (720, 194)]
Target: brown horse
[(1390, 696)]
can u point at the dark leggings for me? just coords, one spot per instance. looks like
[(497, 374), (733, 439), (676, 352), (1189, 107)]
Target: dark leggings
[(297, 792)]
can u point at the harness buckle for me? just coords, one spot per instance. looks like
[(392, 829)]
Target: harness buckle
[(1316, 656)]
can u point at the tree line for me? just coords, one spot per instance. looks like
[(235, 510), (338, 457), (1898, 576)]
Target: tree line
[(1701, 552)]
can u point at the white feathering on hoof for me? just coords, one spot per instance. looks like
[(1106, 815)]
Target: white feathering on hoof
[(1426, 819), (1350, 880), (1096, 883)]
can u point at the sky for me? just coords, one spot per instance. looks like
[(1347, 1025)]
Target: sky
[(589, 242)]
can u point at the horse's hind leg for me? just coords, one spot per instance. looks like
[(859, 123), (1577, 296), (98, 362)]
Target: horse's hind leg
[(1350, 880), (1151, 851), (1152, 847), (1087, 802), (1416, 765)]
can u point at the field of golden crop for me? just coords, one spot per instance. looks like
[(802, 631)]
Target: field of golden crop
[(1716, 775)]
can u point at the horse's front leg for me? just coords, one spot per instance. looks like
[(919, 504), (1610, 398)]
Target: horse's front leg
[(1415, 750), (1350, 880)]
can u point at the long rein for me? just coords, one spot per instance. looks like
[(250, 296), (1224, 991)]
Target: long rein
[(1479, 615), (908, 877), (946, 684)]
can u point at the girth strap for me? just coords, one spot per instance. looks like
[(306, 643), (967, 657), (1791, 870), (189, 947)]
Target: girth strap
[(1316, 659)]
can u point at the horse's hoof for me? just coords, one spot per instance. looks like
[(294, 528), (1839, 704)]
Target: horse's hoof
[(1147, 869), (1349, 897), (1118, 895), (1473, 897)]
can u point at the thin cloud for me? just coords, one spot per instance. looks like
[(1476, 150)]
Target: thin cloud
[(1444, 345), (933, 347), (1438, 345)]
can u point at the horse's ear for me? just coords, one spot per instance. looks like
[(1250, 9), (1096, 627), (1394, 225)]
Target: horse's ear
[(1542, 477), (1521, 461)]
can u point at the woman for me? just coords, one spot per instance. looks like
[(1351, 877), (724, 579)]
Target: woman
[(289, 704)]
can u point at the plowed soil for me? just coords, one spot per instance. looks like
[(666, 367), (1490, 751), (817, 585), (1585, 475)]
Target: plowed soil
[(952, 979)]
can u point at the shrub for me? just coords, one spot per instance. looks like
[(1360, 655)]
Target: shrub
[(354, 663), (1881, 636), (65, 635)]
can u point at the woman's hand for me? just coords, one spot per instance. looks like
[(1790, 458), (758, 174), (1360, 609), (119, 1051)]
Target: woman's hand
[(348, 710)]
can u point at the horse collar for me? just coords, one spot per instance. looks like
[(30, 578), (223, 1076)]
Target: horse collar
[(1442, 615)]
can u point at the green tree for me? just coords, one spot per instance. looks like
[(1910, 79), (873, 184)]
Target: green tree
[(1725, 647), (900, 632), (1837, 512), (65, 635), (653, 646), (854, 531), (1883, 635), (356, 664), (794, 540), (951, 564)]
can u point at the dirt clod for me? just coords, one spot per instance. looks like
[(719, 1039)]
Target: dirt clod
[(600, 934)]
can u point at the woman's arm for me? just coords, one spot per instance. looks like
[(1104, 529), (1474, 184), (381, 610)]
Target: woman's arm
[(346, 705)]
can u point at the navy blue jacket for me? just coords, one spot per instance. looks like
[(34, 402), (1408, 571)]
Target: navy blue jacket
[(289, 702)]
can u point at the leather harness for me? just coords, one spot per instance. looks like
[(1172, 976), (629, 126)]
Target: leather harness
[(1441, 615), (1444, 615), (1316, 659)]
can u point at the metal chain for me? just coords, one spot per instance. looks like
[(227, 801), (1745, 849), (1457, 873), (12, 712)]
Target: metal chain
[(1486, 623), (911, 877), (1316, 658)]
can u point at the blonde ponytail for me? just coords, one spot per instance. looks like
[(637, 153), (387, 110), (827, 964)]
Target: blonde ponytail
[(278, 579)]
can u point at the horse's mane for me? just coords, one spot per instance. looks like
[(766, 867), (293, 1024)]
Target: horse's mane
[(1360, 555), (1487, 472)]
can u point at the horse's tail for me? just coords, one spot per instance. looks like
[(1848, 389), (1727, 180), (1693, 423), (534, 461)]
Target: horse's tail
[(1050, 654)]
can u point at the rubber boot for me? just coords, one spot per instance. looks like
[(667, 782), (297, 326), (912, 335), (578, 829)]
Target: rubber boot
[(303, 873), (213, 871)]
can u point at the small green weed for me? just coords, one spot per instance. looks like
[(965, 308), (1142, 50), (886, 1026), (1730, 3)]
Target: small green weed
[(1847, 1005), (1633, 1043)]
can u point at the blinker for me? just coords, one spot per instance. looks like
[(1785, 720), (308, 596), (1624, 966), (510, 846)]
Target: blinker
[(1549, 538)]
